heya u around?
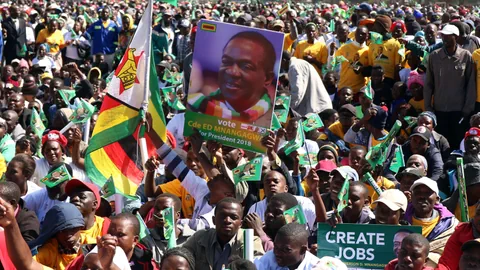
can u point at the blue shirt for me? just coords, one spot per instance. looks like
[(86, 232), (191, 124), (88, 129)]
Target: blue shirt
[(104, 40)]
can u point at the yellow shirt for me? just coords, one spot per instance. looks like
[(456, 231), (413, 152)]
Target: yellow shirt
[(348, 77), (48, 256), (385, 55), (318, 51), (188, 202), (383, 184), (90, 236), (476, 60), (287, 42), (427, 226), (418, 105), (471, 211), (54, 40)]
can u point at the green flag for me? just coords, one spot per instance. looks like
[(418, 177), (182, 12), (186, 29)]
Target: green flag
[(376, 38), (295, 214), (332, 25), (398, 160), (176, 104), (308, 159), (275, 123), (296, 143), (36, 123), (378, 153), (401, 51), (108, 188), (168, 215), (462, 191), (82, 113), (368, 178), (425, 59), (143, 227), (56, 177), (67, 95), (282, 105), (343, 195), (411, 121), (312, 122), (369, 90), (359, 111), (171, 2), (168, 92), (250, 171)]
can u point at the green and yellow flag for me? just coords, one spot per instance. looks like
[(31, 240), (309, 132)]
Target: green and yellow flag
[(250, 171), (56, 177), (36, 123), (343, 196), (82, 113), (312, 122), (169, 227), (295, 214), (297, 142)]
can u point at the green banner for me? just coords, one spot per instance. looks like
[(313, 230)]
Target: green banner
[(251, 171), (227, 132), (364, 246)]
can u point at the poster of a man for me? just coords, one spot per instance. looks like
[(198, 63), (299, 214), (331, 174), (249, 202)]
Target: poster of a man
[(234, 77)]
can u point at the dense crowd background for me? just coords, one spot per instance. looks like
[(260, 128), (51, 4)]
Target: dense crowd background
[(361, 68)]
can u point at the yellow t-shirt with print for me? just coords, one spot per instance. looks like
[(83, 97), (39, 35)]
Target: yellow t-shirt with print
[(427, 226), (318, 50), (418, 105), (188, 202), (385, 55), (90, 236), (471, 211), (287, 42), (54, 40), (49, 256), (476, 60), (383, 184), (348, 77)]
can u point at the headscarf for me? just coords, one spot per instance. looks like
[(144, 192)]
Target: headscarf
[(60, 217), (328, 147), (130, 21), (431, 115), (98, 70), (398, 23), (415, 78)]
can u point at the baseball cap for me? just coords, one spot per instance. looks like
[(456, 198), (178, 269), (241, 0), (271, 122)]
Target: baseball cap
[(364, 6), (472, 132), (422, 132), (46, 75), (347, 172), (411, 171), (470, 244), (74, 184), (326, 165), (393, 199), (348, 108), (278, 23), (450, 29), (427, 182)]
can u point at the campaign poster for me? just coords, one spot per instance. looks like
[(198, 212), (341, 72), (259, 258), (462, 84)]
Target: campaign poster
[(362, 246), (233, 83)]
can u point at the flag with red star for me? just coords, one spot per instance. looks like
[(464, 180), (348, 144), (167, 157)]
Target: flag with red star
[(112, 151)]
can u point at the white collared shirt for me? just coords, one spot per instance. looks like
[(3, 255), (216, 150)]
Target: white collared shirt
[(268, 262)]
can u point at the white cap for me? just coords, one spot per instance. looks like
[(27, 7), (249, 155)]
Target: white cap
[(450, 29), (347, 172), (427, 182), (393, 199)]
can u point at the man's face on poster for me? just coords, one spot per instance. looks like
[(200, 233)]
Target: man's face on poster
[(397, 241), (242, 75)]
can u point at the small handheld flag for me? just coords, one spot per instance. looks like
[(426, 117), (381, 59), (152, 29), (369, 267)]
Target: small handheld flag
[(295, 214), (343, 196), (312, 122), (56, 177), (169, 226), (250, 171), (398, 160), (462, 191), (296, 143)]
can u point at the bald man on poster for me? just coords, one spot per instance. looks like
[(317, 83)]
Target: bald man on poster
[(246, 71)]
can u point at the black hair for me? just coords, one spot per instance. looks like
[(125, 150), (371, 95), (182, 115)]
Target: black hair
[(287, 199), (28, 164), (295, 230), (326, 114), (402, 87), (177, 203), (286, 55), (361, 185), (133, 220), (180, 252), (228, 200), (268, 49), (416, 238), (358, 147), (235, 262), (10, 191), (23, 141)]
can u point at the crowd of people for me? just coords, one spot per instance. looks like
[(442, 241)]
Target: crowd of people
[(362, 68)]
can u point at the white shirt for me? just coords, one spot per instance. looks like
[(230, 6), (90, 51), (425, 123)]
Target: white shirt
[(31, 188), (42, 168), (307, 206), (119, 259), (268, 262), (175, 126), (71, 50), (40, 203), (46, 62), (30, 34)]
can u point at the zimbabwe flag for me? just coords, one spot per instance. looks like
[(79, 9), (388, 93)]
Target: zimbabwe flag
[(113, 150)]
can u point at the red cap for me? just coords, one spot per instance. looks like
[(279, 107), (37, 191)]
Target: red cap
[(472, 132), (55, 135), (75, 183), (326, 165)]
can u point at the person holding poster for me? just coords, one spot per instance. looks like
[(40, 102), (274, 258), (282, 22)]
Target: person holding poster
[(232, 93)]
